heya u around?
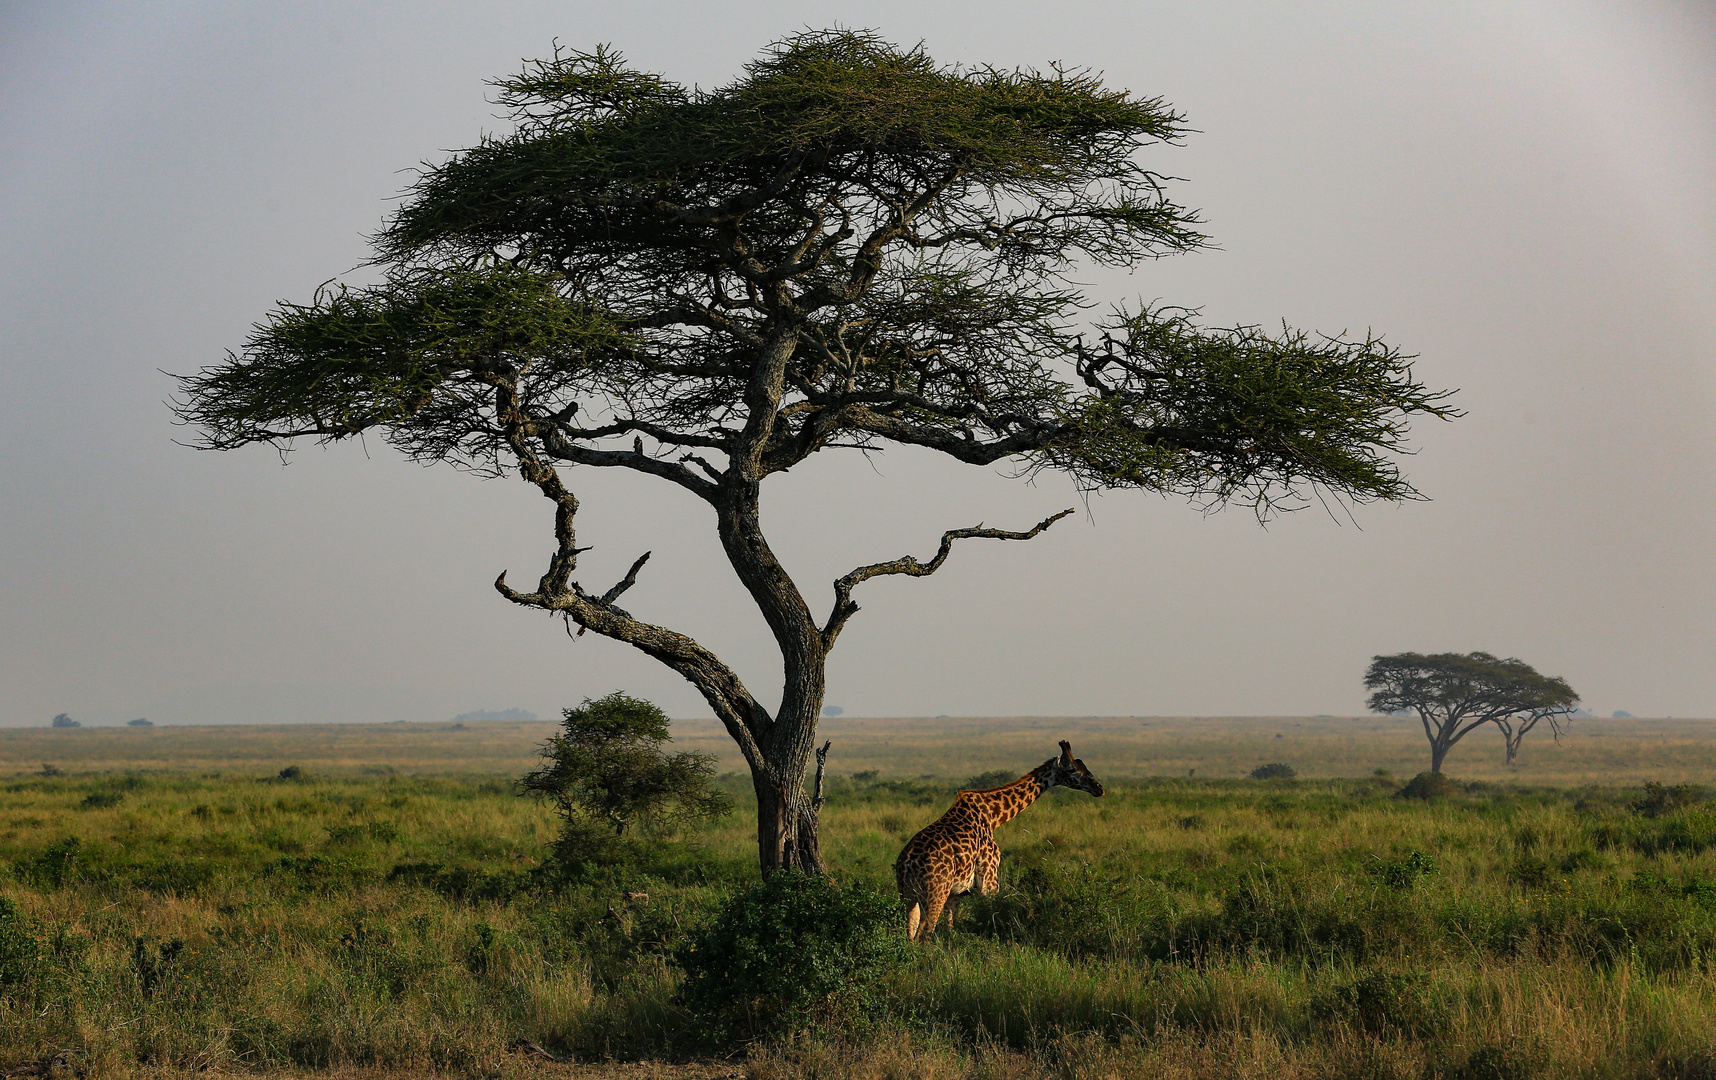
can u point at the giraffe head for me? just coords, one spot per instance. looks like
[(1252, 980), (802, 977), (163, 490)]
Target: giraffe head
[(1068, 771)]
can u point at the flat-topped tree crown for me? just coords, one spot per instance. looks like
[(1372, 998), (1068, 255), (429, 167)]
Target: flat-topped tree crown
[(847, 246), (1454, 694)]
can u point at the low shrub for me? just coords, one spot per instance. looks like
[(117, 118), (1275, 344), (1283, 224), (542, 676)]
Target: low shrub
[(1275, 770), (463, 882), (1659, 799), (1386, 1003), (792, 950), (1531, 872), (1404, 872), (1426, 785), (1071, 910), (56, 866)]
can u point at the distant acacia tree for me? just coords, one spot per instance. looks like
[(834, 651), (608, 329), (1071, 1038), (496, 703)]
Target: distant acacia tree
[(1454, 694), (63, 720), (847, 247)]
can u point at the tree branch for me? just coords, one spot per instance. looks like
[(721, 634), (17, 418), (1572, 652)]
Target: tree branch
[(844, 607), (564, 449), (817, 797)]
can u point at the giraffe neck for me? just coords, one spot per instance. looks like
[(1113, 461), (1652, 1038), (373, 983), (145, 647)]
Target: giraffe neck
[(1005, 803)]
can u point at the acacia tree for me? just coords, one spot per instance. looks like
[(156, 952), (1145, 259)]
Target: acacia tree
[(847, 247), (1454, 694)]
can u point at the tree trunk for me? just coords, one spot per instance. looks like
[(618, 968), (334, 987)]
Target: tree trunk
[(787, 836), (1512, 748), (1438, 751)]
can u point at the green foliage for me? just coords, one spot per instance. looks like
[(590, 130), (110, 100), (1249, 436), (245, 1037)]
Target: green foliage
[(20, 949), (1455, 694), (606, 773), (1274, 771), (632, 245), (790, 950), (1404, 872), (1498, 1062), (1118, 935), (1659, 799), (399, 356), (155, 966), (1072, 910), (1385, 1002), (1426, 785), (55, 866), (63, 721)]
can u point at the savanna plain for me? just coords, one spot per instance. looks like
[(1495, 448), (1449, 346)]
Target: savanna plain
[(378, 900)]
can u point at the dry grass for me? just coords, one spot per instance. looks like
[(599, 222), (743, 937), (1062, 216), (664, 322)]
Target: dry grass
[(1595, 751)]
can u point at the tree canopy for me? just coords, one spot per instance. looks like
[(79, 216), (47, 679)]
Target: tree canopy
[(1454, 694), (847, 247)]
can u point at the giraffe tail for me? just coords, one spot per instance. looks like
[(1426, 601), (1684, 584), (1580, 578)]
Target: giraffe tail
[(914, 917)]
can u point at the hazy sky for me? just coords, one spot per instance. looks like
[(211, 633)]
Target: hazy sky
[(1520, 193)]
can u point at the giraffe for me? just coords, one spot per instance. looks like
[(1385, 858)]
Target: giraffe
[(957, 854)]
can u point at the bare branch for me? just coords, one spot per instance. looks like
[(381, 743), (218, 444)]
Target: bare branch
[(626, 582), (844, 608), (817, 797), (740, 713)]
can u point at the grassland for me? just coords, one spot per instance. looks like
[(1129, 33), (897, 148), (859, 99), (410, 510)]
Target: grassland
[(1593, 752), (176, 905)]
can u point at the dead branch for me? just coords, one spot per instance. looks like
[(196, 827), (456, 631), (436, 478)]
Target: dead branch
[(908, 565)]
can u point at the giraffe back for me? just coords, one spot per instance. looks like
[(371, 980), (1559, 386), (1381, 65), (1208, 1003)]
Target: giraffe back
[(946, 849)]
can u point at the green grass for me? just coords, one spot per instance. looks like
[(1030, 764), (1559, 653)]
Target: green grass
[(1593, 751), (187, 919)]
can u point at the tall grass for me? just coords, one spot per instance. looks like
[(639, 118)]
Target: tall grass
[(1175, 927)]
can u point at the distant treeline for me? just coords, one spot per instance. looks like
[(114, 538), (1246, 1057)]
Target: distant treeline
[(516, 716)]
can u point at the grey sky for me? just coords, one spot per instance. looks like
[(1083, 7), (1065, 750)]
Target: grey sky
[(1521, 193)]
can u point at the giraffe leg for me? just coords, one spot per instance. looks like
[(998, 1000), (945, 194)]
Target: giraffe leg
[(988, 876), (953, 909), (932, 911)]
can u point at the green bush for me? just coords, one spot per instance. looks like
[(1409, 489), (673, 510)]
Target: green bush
[(1659, 799), (1404, 872), (608, 776), (1070, 910), (1386, 1002), (791, 951), (1275, 770), (56, 866), (1426, 785)]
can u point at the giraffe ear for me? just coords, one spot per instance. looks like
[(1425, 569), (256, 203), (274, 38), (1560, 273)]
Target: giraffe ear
[(1066, 752)]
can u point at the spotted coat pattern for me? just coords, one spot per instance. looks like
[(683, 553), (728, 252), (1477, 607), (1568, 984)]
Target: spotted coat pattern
[(956, 854)]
